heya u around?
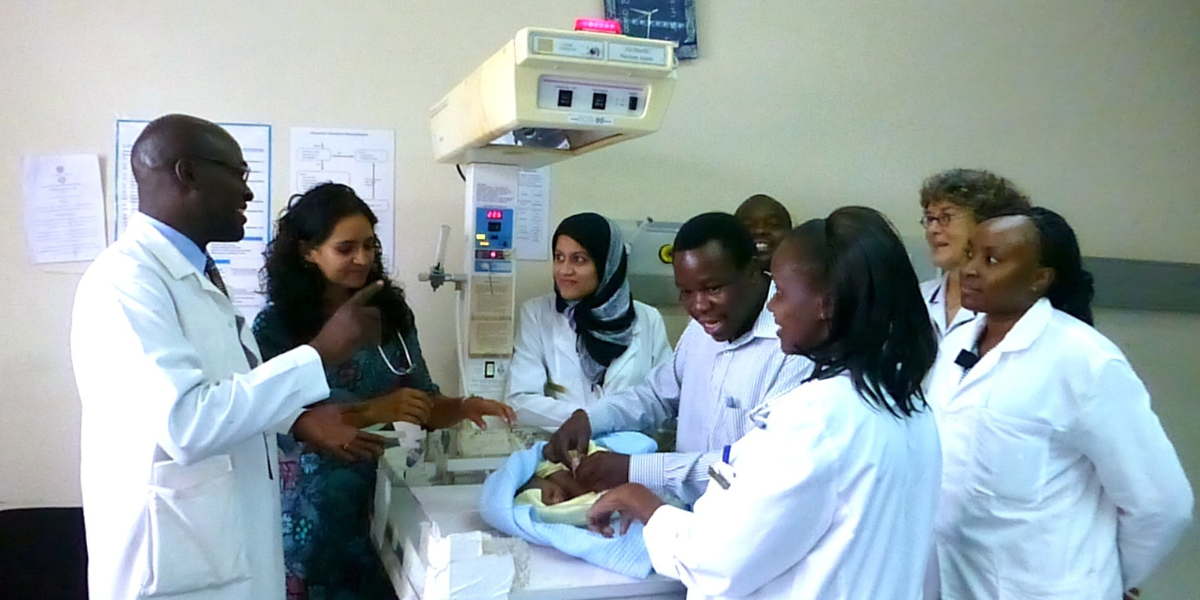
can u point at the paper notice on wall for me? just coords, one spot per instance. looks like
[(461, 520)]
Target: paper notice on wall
[(64, 208), (364, 159), (490, 328), (239, 262), (532, 219), (491, 186)]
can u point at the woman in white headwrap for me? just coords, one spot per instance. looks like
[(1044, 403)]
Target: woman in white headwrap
[(589, 337)]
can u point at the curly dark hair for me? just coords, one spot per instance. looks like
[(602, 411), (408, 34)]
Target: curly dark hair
[(984, 193), (295, 286)]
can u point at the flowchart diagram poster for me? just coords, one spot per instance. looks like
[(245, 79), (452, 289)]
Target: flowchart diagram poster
[(363, 159)]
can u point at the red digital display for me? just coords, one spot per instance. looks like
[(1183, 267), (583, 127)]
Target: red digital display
[(495, 214), (598, 26)]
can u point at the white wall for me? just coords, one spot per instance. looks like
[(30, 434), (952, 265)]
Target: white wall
[(1089, 105)]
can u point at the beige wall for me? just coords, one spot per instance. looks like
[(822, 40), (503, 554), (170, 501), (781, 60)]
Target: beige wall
[(1090, 105), (1163, 349)]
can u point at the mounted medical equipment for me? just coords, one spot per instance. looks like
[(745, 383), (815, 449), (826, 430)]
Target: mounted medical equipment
[(551, 95), (545, 96)]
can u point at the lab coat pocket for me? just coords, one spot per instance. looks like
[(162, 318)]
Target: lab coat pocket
[(1012, 588), (1012, 454), (196, 538)]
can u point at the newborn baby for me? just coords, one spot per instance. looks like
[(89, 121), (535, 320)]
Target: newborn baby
[(556, 496)]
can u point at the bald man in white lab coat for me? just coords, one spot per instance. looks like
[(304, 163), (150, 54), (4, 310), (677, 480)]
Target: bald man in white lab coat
[(179, 418)]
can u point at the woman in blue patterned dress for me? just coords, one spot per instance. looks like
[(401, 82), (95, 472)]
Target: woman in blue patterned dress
[(325, 250)]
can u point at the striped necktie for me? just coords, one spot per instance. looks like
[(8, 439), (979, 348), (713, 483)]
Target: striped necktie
[(214, 275), (210, 270)]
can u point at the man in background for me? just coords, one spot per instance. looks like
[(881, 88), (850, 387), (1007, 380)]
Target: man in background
[(768, 221)]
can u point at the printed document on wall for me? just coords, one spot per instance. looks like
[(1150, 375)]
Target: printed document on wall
[(364, 159), (239, 262), (64, 208), (532, 228)]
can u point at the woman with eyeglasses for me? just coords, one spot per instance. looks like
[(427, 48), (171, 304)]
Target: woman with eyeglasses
[(325, 250), (954, 202)]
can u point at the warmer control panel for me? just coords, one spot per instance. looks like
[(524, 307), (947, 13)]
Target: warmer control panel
[(591, 97), (493, 240)]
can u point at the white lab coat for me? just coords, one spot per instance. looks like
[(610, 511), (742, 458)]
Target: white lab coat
[(833, 499), (546, 382), (179, 469), (1059, 482), (934, 293)]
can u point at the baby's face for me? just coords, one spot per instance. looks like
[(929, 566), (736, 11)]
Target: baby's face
[(552, 493), (558, 487), (566, 482)]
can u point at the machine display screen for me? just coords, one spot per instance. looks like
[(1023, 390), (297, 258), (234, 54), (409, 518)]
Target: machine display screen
[(493, 233)]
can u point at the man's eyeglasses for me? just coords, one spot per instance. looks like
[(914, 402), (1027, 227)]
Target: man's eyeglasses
[(242, 170)]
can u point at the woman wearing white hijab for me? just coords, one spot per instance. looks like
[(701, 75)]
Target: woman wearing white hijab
[(589, 337)]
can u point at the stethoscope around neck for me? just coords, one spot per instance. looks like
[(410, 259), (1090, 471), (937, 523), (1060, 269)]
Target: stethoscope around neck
[(404, 370)]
